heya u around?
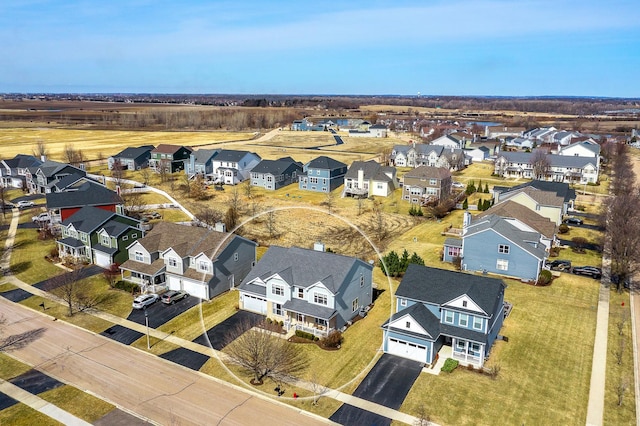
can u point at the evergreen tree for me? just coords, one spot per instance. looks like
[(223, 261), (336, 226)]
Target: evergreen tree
[(465, 204), (392, 261), (486, 188), (416, 259), (404, 260), (486, 204), (479, 205)]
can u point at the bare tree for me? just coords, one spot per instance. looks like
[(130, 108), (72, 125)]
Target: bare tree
[(317, 388), (248, 189), (111, 274), (163, 167), (621, 324), (360, 204), (209, 216), (540, 163), (117, 173), (133, 200), (330, 201), (234, 199), (231, 218), (272, 224), (40, 149), (618, 352), (423, 419), (379, 222), (145, 174), (263, 354), (197, 189), (72, 155), (71, 288), (2, 201), (621, 389)]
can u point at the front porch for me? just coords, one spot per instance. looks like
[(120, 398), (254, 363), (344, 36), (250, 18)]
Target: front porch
[(75, 249)]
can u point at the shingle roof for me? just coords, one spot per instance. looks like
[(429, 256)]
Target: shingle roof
[(305, 267), (82, 193), (168, 149), (428, 172), (22, 161), (439, 286), (88, 219), (593, 147), (134, 152), (51, 168), (526, 240), (453, 242), (429, 322), (511, 209), (545, 198), (561, 189), (371, 169), (202, 156), (275, 167), (231, 155), (326, 163)]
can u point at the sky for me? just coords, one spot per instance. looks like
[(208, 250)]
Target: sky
[(354, 47)]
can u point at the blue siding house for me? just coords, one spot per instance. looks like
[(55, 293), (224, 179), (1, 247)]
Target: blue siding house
[(502, 246), (322, 174), (274, 174), (452, 249), (435, 307)]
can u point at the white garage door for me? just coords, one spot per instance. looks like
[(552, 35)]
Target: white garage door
[(254, 304), (193, 288), (407, 350), (103, 260)]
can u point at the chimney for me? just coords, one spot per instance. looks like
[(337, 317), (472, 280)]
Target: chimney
[(318, 246), (360, 178), (43, 158), (466, 219), (220, 227)]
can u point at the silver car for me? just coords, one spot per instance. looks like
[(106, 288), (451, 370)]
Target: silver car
[(144, 300)]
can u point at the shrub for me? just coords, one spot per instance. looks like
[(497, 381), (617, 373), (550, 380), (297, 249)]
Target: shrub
[(333, 340), (545, 277), (457, 262), (449, 365), (579, 244), (305, 335), (563, 228), (127, 286)]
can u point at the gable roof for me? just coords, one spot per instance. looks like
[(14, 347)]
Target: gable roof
[(276, 167), (305, 267), (588, 144), (134, 152), (325, 163), (560, 189), (439, 286), (88, 219), (423, 316), (169, 149), (428, 172), (83, 192), (509, 229), (232, 155), (202, 156), (51, 168), (511, 209), (371, 171), (22, 161)]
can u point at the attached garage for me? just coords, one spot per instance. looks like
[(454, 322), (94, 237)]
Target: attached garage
[(196, 289), (408, 350), (254, 304), (101, 259)]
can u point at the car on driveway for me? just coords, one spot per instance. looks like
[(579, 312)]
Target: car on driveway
[(559, 265), (573, 221), (590, 271), (172, 296), (458, 185), (144, 300), (41, 218), (24, 204)]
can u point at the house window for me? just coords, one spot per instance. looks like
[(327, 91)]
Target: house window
[(134, 235), (453, 251), (203, 266), (313, 180), (299, 317), (502, 265), (277, 309), (125, 238), (83, 237), (277, 289), (321, 322), (361, 280), (379, 185), (460, 345), (235, 256), (464, 303), (477, 323), (171, 261), (320, 299), (269, 178), (355, 305), (105, 240), (300, 293), (448, 317), (463, 320), (318, 172), (403, 302), (433, 181), (407, 324), (138, 256), (474, 349), (503, 248)]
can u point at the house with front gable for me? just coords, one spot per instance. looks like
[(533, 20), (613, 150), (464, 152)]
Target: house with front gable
[(450, 141), (170, 158), (81, 193), (13, 171), (322, 174), (309, 290), (368, 178), (203, 262), (587, 148), (416, 155), (94, 235), (551, 200), (558, 168), (504, 246), (275, 174), (45, 177), (440, 311), (232, 166), (425, 183), (201, 163), (131, 158)]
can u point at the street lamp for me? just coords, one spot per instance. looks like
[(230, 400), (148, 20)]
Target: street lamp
[(146, 320)]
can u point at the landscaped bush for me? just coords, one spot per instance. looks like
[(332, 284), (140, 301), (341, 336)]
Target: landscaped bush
[(563, 228), (333, 340), (127, 286), (449, 365), (545, 277), (305, 335)]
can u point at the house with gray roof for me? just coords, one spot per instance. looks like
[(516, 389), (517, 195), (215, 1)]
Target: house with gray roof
[(456, 314), (552, 200), (416, 155), (131, 158), (97, 236), (13, 171), (170, 158), (201, 163), (368, 178), (322, 174), (502, 245), (203, 262), (44, 178), (556, 168), (309, 290), (232, 166), (81, 193), (275, 174)]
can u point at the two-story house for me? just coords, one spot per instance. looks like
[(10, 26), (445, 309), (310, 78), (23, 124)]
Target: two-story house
[(309, 290), (322, 174), (274, 174), (425, 184), (81, 193), (554, 167), (13, 171), (170, 158), (43, 178), (368, 178), (232, 167), (98, 236), (552, 200), (504, 246), (201, 163), (200, 261), (132, 158), (416, 155), (437, 308)]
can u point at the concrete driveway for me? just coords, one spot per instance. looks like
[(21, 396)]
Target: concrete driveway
[(222, 334), (159, 313), (388, 384)]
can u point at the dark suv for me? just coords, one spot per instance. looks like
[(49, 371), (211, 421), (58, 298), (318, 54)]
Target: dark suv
[(590, 271), (559, 265)]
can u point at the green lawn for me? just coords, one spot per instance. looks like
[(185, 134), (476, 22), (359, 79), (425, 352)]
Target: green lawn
[(80, 404), (545, 365), (27, 258), (10, 368), (23, 415)]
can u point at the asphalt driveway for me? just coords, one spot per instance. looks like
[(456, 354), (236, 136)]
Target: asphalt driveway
[(221, 334), (51, 283), (16, 295), (159, 313), (122, 334), (388, 384), (186, 357), (35, 382), (6, 401)]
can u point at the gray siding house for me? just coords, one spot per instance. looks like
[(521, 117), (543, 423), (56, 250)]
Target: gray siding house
[(436, 308), (308, 290), (274, 174), (132, 158), (201, 163), (322, 174), (13, 171)]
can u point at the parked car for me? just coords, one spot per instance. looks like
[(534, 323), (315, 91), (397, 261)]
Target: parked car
[(458, 185), (144, 300), (559, 265), (573, 221), (42, 217), (172, 296), (155, 215), (590, 271), (24, 204)]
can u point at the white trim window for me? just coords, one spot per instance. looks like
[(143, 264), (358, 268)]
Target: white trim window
[(105, 240), (355, 305), (320, 298), (477, 323), (463, 320), (403, 302), (172, 261), (203, 266), (502, 265), (503, 248), (277, 290), (448, 317), (138, 256)]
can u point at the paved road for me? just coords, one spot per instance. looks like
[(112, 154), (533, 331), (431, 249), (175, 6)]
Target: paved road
[(148, 385)]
